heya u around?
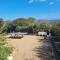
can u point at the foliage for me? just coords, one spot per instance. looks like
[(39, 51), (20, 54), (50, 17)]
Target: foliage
[(30, 25), (2, 41), (1, 22), (27, 24), (57, 34), (4, 51)]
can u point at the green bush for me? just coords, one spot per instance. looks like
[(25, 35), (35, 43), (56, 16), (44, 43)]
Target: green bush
[(57, 34)]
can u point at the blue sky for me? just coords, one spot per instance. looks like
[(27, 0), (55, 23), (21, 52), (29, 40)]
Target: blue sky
[(41, 9)]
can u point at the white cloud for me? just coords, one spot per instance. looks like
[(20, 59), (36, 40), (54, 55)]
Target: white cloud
[(43, 0), (51, 3), (30, 1)]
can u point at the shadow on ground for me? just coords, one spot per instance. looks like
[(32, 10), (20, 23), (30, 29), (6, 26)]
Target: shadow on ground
[(44, 52)]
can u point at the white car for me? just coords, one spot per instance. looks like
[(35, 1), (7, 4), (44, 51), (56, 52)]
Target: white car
[(16, 35), (42, 33)]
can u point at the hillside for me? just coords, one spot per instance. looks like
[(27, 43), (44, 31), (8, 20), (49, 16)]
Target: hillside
[(23, 20)]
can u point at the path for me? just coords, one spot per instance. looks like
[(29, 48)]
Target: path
[(28, 48)]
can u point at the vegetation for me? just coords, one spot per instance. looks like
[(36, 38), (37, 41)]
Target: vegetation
[(30, 25), (4, 51)]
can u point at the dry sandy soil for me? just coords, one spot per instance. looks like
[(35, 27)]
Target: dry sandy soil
[(31, 47)]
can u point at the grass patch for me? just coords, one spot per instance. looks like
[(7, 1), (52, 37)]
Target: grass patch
[(2, 41), (4, 51)]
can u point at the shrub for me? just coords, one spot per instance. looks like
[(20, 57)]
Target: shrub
[(4, 51)]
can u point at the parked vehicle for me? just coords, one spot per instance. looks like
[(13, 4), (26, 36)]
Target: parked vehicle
[(42, 33), (18, 34)]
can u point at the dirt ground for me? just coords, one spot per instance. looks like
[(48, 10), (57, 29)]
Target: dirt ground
[(31, 47)]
